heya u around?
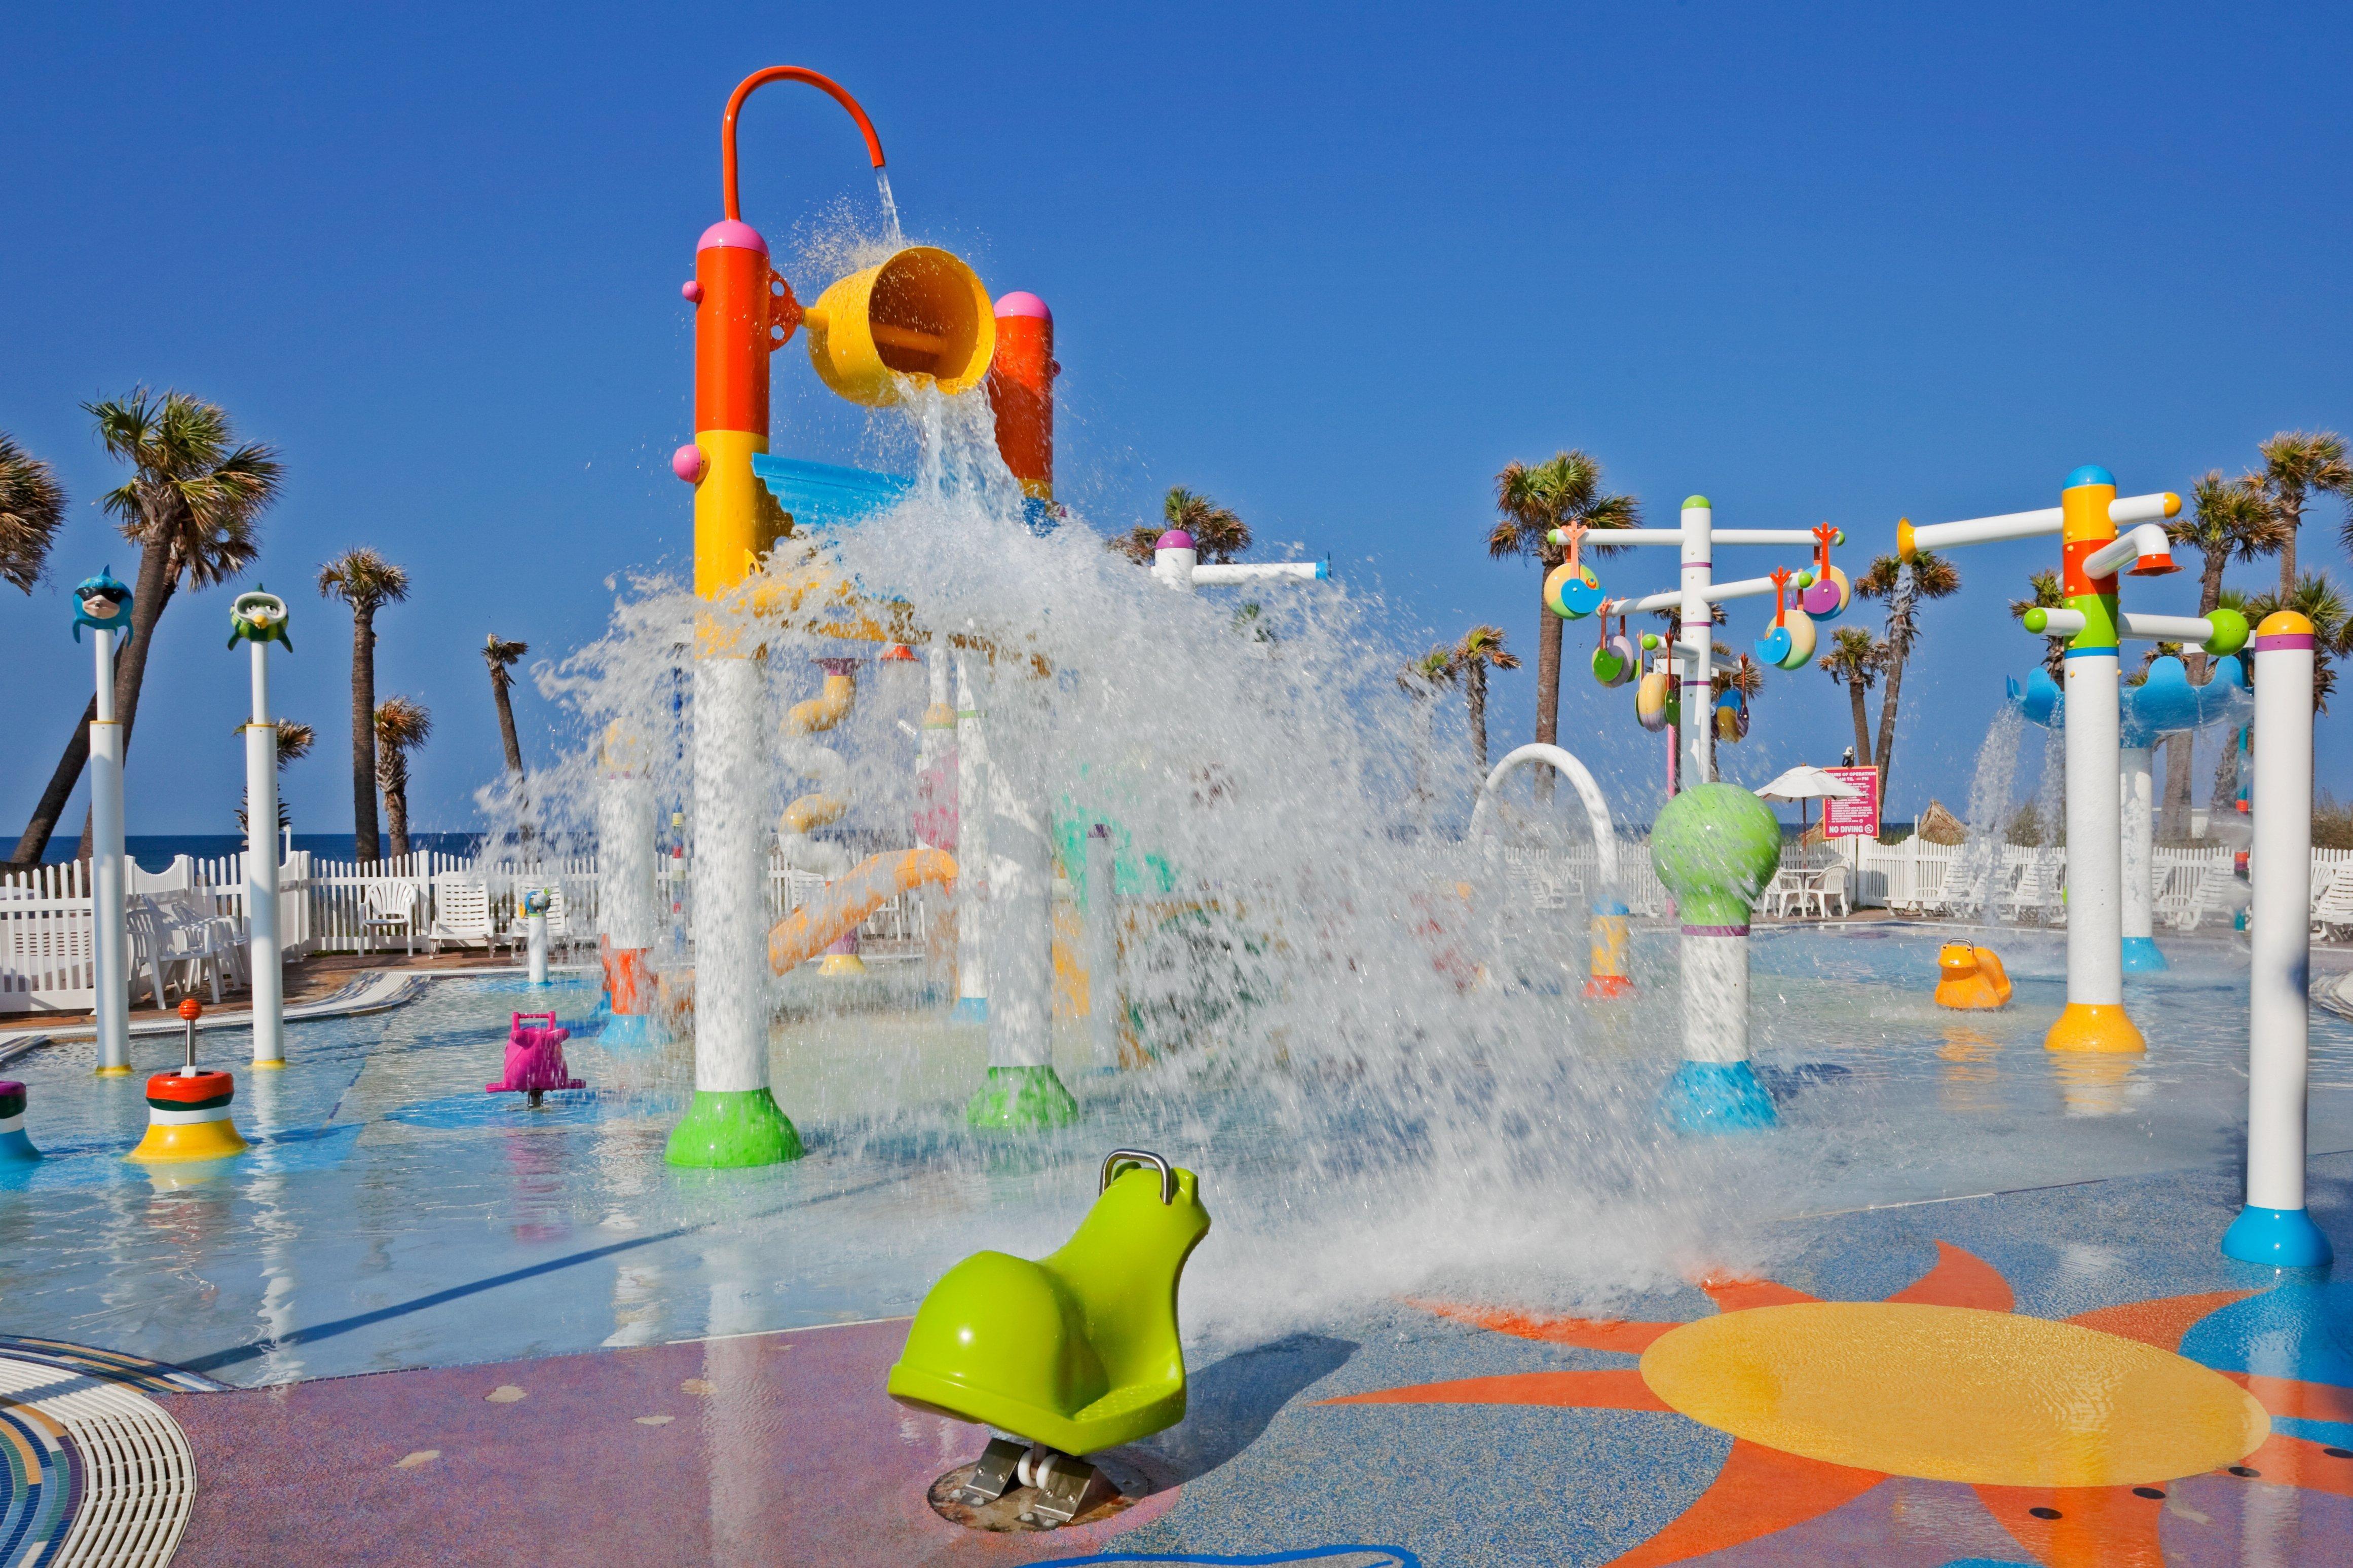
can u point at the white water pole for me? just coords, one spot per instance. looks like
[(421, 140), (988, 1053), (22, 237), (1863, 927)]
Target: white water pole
[(262, 949), (729, 874), (1695, 629), (972, 850), (2137, 799), (1173, 559), (2096, 974), (2274, 1227), (110, 941), (1106, 1003), (1022, 925), (534, 926)]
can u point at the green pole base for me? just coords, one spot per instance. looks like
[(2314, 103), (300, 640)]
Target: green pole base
[(729, 1128), (1017, 1100)]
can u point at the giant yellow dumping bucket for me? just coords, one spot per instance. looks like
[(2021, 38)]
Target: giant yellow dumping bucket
[(921, 316)]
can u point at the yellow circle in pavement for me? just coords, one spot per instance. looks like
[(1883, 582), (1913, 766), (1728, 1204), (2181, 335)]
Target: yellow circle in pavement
[(1953, 1393)]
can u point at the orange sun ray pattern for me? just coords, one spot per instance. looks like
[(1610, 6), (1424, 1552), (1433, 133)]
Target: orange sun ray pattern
[(1762, 1491)]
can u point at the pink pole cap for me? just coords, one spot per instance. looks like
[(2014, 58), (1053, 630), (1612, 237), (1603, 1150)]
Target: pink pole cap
[(731, 233), (1174, 539), (1020, 304)]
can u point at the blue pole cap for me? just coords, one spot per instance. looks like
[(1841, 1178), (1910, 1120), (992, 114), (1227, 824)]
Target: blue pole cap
[(2090, 474)]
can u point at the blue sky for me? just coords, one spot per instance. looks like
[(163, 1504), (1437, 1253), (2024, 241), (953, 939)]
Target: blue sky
[(1335, 268)]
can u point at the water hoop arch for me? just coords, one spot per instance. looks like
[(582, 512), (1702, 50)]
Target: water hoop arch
[(1605, 840)]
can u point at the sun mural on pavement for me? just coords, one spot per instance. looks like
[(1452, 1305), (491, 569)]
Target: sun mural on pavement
[(2070, 1432)]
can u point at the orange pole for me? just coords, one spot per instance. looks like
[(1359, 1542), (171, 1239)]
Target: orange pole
[(1021, 390)]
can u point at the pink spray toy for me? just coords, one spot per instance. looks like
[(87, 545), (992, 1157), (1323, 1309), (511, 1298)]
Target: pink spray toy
[(535, 1058)]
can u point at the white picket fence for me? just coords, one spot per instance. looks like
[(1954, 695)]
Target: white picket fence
[(324, 907), (2024, 883)]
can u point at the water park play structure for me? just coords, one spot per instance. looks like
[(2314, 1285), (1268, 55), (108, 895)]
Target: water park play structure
[(188, 1110), (102, 603), (1073, 1354), (1970, 978), (1714, 846), (257, 619), (2274, 1227), (534, 1064), (2164, 703)]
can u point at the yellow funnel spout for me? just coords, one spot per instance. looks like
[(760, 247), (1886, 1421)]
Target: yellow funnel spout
[(827, 708), (921, 316)]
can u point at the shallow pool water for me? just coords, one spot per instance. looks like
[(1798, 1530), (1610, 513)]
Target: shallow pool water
[(391, 1213)]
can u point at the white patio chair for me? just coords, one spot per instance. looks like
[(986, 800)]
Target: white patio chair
[(153, 954), (1787, 884), (1823, 885), (2332, 904), (461, 913), (210, 943), (389, 909)]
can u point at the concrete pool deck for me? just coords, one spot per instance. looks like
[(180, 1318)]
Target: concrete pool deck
[(1489, 1433)]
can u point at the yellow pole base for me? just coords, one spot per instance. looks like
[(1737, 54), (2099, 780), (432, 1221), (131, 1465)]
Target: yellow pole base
[(837, 964), (2095, 1026), (114, 1072), (188, 1141), (268, 1066)]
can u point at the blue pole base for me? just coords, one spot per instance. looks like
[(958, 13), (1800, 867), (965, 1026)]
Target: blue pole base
[(1717, 1097), (2141, 956), (15, 1145), (2277, 1239), (969, 1010), (627, 1030)]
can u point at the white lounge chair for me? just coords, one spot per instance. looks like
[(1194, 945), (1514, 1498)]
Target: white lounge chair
[(2218, 892), (2332, 904), (461, 913)]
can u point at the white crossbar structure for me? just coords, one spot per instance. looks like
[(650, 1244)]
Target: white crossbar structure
[(1696, 635), (2124, 511)]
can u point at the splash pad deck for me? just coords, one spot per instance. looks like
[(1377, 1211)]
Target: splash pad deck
[(389, 1221)]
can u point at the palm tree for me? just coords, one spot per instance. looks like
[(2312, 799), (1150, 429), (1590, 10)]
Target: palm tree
[(294, 742), (191, 505), (1530, 503), (1421, 679), (1853, 659), (1927, 576), (1480, 649), (2043, 592), (366, 581), (2317, 600), (402, 724), (1219, 533), (499, 656), (2295, 463), (2229, 520), (32, 510)]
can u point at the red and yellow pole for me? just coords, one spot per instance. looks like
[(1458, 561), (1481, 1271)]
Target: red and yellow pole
[(743, 313)]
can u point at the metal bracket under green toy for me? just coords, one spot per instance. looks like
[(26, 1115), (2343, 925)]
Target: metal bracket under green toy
[(1077, 1351)]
